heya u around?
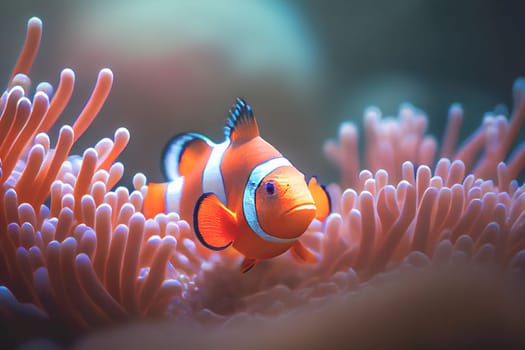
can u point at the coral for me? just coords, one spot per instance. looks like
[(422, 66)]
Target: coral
[(77, 251)]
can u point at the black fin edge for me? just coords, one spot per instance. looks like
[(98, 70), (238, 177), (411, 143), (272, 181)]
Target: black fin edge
[(183, 139), (248, 268), (238, 113), (325, 191), (196, 224)]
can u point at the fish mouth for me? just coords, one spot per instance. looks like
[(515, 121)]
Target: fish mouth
[(304, 206), (296, 219)]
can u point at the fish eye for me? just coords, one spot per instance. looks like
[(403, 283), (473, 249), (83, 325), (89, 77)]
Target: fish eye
[(270, 188)]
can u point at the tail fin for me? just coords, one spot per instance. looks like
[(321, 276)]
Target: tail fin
[(180, 152)]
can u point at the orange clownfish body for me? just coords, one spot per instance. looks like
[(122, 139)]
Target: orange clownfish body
[(241, 192)]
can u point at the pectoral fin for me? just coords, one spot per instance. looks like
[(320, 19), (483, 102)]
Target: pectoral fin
[(321, 198), (214, 224), (303, 254)]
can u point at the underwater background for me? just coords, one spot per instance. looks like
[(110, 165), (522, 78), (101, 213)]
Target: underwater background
[(389, 271), (304, 66)]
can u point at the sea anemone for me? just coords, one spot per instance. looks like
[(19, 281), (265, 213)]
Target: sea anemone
[(77, 253), (73, 250)]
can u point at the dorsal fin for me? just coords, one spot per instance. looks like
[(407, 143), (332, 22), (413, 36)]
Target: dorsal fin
[(242, 125)]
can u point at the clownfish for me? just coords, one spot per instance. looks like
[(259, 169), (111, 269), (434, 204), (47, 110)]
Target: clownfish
[(241, 192)]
